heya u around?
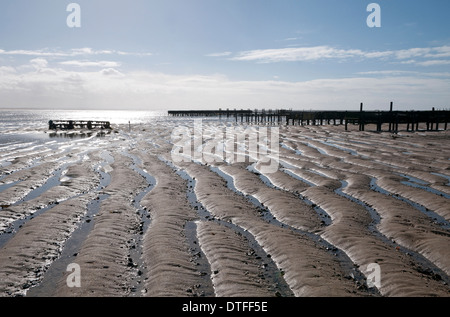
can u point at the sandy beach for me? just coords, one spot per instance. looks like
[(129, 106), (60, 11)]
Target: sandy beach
[(342, 211)]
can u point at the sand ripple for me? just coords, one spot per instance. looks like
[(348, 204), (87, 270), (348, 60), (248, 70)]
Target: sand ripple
[(140, 224)]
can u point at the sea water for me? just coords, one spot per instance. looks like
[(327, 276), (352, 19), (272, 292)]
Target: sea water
[(12, 120)]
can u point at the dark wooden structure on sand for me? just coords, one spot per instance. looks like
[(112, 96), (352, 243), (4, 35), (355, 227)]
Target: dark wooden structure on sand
[(429, 120), (77, 124)]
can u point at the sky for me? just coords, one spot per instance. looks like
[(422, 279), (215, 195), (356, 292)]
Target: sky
[(209, 54)]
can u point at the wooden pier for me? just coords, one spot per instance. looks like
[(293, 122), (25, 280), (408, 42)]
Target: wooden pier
[(77, 124), (414, 120)]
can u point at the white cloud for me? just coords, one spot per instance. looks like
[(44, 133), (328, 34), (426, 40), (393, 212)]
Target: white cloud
[(418, 56), (221, 54), (75, 79), (32, 53), (110, 89), (133, 54), (409, 62), (296, 54), (86, 51), (389, 72), (111, 72), (411, 53), (405, 73), (439, 52), (39, 62), (7, 70), (84, 63), (433, 62)]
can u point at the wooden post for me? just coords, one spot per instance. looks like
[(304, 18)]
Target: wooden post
[(391, 122), (361, 120), (346, 121), (432, 117), (436, 116), (379, 122), (396, 124)]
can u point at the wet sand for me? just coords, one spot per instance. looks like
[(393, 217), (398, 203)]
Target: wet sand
[(139, 223)]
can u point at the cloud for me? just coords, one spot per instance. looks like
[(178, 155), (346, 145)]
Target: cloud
[(88, 78), (296, 54), (86, 51), (84, 63), (419, 56), (405, 73), (389, 72), (39, 62), (434, 63), (33, 53), (7, 70), (411, 53), (219, 54), (84, 88), (111, 72), (133, 54)]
